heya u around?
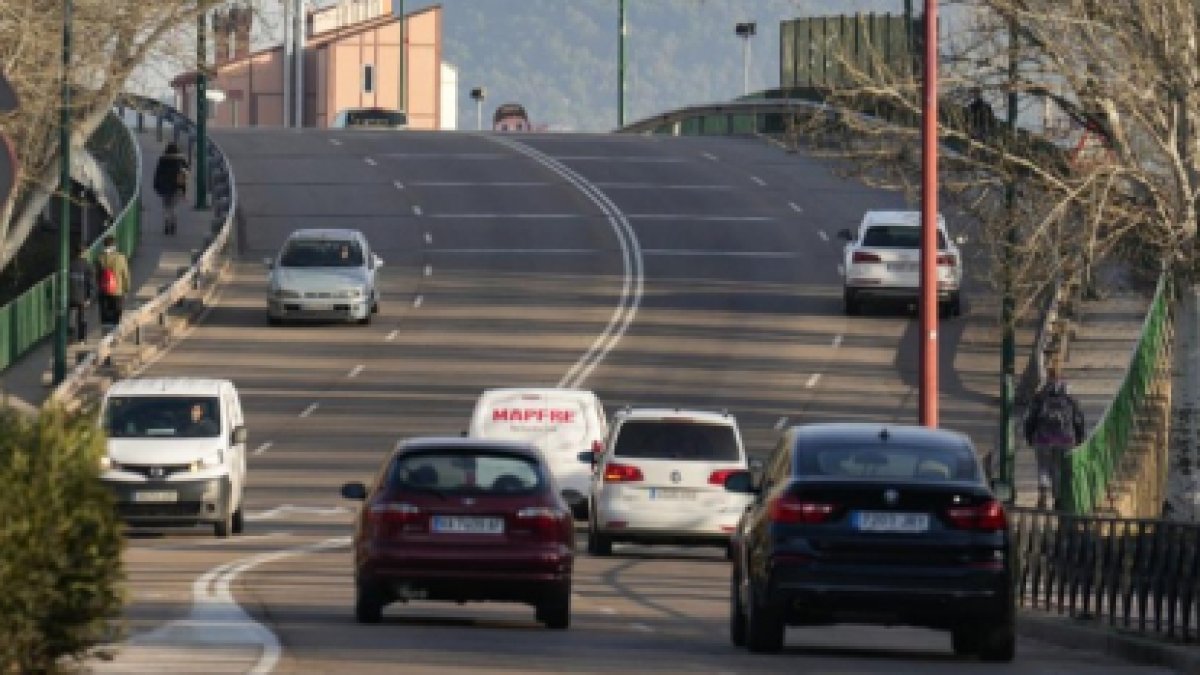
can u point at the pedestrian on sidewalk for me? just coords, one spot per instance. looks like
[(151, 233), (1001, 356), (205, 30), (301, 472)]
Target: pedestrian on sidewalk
[(81, 291), (112, 278), (1054, 425), (170, 182)]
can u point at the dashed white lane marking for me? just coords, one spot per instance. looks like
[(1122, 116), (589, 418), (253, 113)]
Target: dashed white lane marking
[(841, 270), (286, 509), (357, 370), (416, 210), (398, 184), (263, 448), (429, 270), (812, 381), (758, 181), (428, 237), (837, 340), (607, 610), (709, 155), (418, 301), (822, 235), (781, 423), (370, 161), (392, 335), (312, 408), (335, 141), (641, 627), (795, 207)]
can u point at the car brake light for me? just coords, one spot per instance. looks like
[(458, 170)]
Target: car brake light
[(396, 515), (986, 517), (545, 521), (719, 476), (622, 473), (865, 257), (791, 510), (947, 259)]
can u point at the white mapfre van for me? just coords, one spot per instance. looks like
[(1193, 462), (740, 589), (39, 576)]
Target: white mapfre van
[(560, 422), (176, 452)]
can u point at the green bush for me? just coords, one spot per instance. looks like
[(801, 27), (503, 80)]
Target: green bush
[(60, 541)]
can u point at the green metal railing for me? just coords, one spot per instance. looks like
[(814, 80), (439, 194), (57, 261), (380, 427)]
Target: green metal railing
[(31, 317), (1093, 463)]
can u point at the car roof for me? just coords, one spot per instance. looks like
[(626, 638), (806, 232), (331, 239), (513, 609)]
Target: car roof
[(435, 443), (545, 392), (168, 386), (909, 218), (862, 434), (702, 416), (325, 233)]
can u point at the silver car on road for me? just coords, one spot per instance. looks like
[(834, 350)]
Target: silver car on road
[(323, 274)]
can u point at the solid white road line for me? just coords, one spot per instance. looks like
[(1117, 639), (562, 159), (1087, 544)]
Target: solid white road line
[(263, 448), (822, 235), (392, 335), (812, 381), (416, 210), (795, 207), (370, 161), (781, 423), (837, 340), (312, 408), (357, 370), (758, 181)]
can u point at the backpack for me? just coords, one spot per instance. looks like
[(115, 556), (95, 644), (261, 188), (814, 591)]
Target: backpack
[(1056, 420), (108, 282)]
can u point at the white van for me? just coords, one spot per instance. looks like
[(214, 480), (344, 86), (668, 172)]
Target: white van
[(176, 452), (560, 422)]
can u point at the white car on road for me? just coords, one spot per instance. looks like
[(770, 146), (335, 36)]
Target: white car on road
[(323, 274), (883, 259), (661, 479)]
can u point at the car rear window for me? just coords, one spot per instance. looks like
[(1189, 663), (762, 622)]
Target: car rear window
[(467, 472), (890, 463), (676, 440), (897, 236), (322, 253)]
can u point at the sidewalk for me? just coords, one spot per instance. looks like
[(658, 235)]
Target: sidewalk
[(155, 264)]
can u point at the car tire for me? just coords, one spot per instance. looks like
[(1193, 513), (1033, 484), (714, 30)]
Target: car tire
[(274, 321), (239, 521), (554, 612), (998, 644), (368, 605), (737, 618), (224, 527), (850, 304), (764, 627)]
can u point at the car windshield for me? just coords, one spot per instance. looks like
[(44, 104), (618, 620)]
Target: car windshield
[(162, 417), (897, 236), (893, 462), (686, 440), (466, 471), (321, 253), (382, 119)]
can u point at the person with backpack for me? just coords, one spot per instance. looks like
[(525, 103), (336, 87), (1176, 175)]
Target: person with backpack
[(81, 290), (112, 279), (1054, 425), (170, 183)]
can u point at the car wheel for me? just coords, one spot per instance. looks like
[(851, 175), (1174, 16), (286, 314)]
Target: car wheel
[(366, 320), (368, 605), (274, 320), (597, 544), (238, 521), (224, 527), (764, 627), (998, 643), (555, 611), (737, 618), (850, 303)]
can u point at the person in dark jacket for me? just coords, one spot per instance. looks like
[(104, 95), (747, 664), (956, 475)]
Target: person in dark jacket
[(1054, 426), (170, 183), (81, 291)]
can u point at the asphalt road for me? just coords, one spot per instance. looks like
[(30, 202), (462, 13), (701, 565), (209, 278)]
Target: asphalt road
[(691, 272)]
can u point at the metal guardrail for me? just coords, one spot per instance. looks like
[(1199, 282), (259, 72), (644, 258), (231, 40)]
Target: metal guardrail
[(32, 317), (1138, 575), (194, 283)]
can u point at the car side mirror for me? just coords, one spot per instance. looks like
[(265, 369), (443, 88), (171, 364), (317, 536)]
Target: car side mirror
[(587, 457), (376, 260), (354, 490), (845, 234), (1002, 490), (740, 482), (240, 435), (268, 263)]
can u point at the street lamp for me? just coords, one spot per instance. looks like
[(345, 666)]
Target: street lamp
[(746, 31), (64, 192), (477, 95)]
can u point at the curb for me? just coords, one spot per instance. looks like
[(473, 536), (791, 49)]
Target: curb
[(1092, 636)]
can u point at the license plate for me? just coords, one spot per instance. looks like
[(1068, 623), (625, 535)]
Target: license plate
[(902, 267), (156, 496), (678, 494), (467, 525), (872, 521)]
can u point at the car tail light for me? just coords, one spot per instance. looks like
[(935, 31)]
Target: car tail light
[(394, 516), (719, 476), (791, 510), (986, 517), (865, 257), (947, 259), (544, 521), (622, 473)]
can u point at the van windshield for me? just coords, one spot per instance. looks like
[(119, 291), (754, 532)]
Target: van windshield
[(656, 439), (162, 417)]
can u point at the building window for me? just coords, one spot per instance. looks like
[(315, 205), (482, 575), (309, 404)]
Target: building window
[(368, 79)]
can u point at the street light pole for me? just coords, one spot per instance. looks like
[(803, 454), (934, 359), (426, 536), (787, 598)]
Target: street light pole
[(621, 64), (746, 31), (64, 193), (929, 223), (202, 111), (477, 95), (1008, 355)]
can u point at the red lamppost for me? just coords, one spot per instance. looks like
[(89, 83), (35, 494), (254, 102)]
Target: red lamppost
[(929, 223)]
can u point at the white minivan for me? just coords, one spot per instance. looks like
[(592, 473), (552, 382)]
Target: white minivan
[(176, 452), (560, 422)]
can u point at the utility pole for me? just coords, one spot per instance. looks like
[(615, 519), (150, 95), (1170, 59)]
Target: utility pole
[(929, 223), (1008, 354), (477, 95), (202, 111), (746, 31), (287, 63), (403, 102), (621, 64), (64, 194), (299, 30)]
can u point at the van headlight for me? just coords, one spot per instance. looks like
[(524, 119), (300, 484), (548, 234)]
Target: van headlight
[(210, 461), (107, 464)]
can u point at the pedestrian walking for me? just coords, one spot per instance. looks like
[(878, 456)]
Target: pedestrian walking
[(81, 291), (112, 279), (170, 182), (1054, 425)]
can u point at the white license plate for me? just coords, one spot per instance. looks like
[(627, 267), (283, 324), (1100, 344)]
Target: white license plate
[(677, 494), (873, 521), (902, 267), (156, 496), (467, 525)]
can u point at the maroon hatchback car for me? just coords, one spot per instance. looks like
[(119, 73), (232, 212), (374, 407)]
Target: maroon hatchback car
[(463, 519)]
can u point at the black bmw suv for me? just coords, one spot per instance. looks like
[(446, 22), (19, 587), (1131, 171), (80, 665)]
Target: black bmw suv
[(867, 523)]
